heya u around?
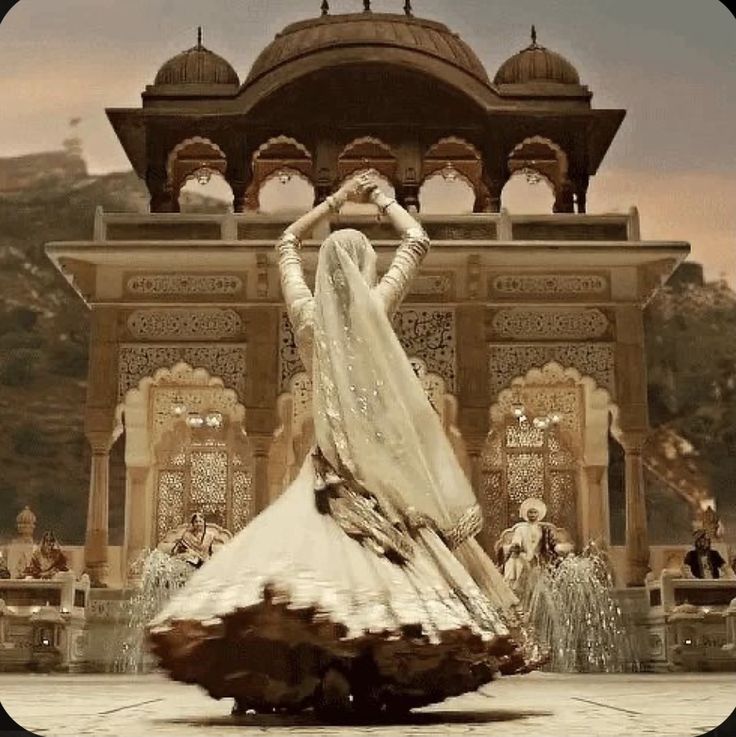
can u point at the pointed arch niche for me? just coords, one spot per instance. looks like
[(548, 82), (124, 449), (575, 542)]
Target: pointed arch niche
[(186, 450), (565, 464)]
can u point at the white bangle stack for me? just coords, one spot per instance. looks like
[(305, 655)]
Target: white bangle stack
[(332, 203), (289, 239), (374, 197)]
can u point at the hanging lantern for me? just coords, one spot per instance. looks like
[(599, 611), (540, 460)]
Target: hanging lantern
[(284, 176), (449, 172), (532, 175), (204, 174), (213, 420)]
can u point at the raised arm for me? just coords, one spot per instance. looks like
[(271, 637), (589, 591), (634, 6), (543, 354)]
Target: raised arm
[(297, 294), (414, 246)]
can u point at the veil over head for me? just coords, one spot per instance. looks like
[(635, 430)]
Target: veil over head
[(372, 417)]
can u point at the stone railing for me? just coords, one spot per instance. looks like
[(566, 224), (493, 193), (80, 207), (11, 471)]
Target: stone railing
[(42, 623), (691, 623), (261, 227)]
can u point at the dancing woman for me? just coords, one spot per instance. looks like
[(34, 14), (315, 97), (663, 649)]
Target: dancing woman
[(361, 587)]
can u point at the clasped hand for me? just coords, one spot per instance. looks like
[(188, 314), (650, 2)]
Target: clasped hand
[(360, 188)]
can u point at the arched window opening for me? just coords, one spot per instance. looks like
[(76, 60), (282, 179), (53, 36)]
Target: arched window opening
[(286, 191), (206, 190)]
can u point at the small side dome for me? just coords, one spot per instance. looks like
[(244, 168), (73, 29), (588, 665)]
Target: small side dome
[(25, 517), (536, 63), (197, 65)]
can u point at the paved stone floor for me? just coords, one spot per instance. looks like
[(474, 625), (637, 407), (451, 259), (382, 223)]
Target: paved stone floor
[(676, 705)]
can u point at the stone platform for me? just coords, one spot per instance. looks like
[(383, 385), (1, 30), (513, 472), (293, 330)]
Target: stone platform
[(671, 705)]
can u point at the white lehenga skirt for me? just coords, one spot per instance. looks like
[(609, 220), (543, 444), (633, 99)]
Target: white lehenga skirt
[(292, 595)]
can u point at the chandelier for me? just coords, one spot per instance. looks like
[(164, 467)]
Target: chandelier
[(196, 420), (542, 422)]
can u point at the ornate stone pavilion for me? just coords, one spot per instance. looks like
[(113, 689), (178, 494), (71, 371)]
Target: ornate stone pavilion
[(193, 363)]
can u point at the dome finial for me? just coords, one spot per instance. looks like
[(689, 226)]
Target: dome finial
[(407, 7), (325, 7), (199, 37), (534, 35)]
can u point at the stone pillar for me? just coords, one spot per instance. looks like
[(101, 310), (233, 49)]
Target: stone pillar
[(407, 193), (239, 171), (489, 200), (261, 392), (580, 186), (99, 429), (162, 196), (564, 201), (409, 173), (595, 520), (474, 448), (325, 166), (472, 384), (240, 189), (137, 516), (637, 543), (633, 420), (261, 446), (96, 539)]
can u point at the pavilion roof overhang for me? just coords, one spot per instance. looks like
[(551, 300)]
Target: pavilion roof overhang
[(597, 126), (654, 261)]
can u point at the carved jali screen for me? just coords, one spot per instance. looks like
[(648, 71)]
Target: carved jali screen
[(206, 477), (522, 461)]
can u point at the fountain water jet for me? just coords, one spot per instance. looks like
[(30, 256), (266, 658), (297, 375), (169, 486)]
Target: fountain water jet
[(573, 610), (160, 575)]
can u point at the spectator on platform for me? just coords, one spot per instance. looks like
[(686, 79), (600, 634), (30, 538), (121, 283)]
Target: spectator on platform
[(702, 561)]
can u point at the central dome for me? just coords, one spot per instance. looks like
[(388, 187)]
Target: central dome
[(368, 29)]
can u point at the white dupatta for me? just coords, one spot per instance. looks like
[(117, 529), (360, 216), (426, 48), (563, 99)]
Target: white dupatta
[(372, 417)]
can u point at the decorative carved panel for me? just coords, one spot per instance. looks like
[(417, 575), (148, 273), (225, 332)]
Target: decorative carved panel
[(521, 461), (426, 333), (548, 286), (301, 390), (550, 324), (433, 285), (212, 480), (289, 361), (183, 284), (170, 502), (429, 334), (210, 323), (508, 362), (208, 479), (224, 361)]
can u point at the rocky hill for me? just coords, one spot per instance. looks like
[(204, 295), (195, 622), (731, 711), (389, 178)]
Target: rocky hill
[(43, 338)]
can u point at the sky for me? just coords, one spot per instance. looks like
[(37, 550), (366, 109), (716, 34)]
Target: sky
[(670, 63)]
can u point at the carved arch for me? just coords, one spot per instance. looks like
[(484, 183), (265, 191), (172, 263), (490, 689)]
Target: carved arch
[(192, 156), (547, 159), (367, 152), (279, 155), (185, 434), (520, 459), (457, 153)]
